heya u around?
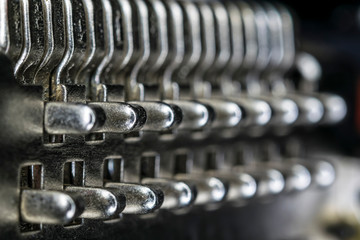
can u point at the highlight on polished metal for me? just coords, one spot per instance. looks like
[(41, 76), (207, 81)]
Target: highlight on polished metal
[(203, 86), (49, 207), (139, 199), (65, 118), (98, 203)]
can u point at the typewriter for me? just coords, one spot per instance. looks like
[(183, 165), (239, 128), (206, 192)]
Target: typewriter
[(166, 119)]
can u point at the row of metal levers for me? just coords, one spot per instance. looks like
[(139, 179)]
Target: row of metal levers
[(179, 74)]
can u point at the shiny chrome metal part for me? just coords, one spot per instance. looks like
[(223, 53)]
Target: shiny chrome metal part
[(49, 207), (209, 189), (98, 203), (65, 118), (177, 194), (133, 107), (139, 199)]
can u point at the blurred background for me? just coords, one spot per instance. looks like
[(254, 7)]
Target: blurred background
[(330, 31)]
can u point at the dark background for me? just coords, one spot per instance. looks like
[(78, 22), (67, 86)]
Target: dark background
[(331, 32)]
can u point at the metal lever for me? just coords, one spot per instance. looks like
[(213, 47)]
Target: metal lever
[(70, 118), (54, 35), (226, 113), (241, 185), (49, 207), (120, 117), (139, 199), (194, 114), (209, 189), (297, 177), (160, 116), (99, 203), (322, 172), (269, 181), (310, 70), (255, 111), (177, 194), (311, 109)]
